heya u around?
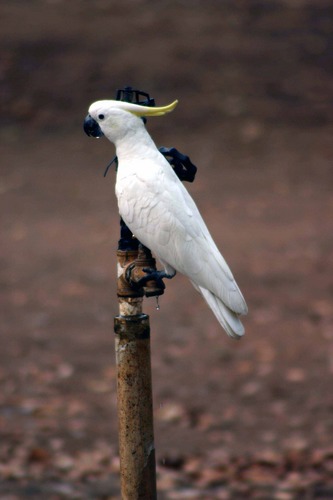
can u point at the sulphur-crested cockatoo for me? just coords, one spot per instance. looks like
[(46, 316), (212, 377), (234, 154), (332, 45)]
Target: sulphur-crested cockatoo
[(159, 211)]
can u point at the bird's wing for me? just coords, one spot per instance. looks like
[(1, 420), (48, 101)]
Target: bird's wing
[(162, 215)]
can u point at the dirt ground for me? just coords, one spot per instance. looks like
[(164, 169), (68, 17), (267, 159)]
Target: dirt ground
[(233, 420)]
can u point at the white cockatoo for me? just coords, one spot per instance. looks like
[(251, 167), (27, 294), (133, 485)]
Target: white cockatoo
[(160, 212)]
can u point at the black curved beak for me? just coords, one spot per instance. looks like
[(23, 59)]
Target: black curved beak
[(91, 127)]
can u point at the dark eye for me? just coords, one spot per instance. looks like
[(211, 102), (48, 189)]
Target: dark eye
[(101, 117)]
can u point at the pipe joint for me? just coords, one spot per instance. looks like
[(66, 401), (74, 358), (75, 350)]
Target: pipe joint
[(134, 269)]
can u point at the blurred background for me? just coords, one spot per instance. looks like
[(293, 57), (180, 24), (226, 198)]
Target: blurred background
[(233, 420)]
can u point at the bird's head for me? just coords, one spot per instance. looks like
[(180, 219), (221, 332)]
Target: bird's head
[(115, 119)]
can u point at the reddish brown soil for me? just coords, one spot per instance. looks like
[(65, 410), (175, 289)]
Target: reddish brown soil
[(233, 420)]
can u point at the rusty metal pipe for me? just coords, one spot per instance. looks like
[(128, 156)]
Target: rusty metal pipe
[(135, 272), (135, 408), (134, 389)]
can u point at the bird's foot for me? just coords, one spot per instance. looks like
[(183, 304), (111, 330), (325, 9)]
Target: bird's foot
[(154, 275)]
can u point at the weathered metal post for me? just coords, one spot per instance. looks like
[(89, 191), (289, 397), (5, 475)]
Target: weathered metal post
[(135, 410), (134, 390), (136, 279)]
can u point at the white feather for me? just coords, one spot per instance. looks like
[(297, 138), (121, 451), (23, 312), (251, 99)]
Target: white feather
[(158, 209)]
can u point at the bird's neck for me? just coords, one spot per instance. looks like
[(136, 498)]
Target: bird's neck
[(136, 143)]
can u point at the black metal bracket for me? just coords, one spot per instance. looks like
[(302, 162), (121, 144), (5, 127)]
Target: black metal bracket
[(182, 165), (127, 240), (128, 94)]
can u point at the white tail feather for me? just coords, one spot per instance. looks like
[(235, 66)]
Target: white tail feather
[(228, 319)]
